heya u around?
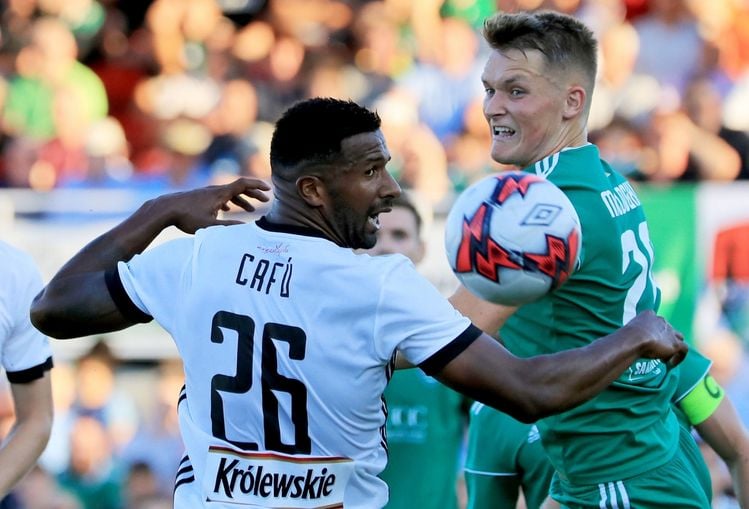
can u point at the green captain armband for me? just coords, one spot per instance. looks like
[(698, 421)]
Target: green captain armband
[(701, 402)]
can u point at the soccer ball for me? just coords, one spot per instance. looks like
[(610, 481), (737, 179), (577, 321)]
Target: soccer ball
[(512, 237)]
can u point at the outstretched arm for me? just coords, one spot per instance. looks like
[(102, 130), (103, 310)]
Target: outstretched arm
[(76, 302), (29, 435), (532, 388), (486, 316)]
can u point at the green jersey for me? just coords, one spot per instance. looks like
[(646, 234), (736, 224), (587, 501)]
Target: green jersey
[(504, 456), (425, 426), (629, 428)]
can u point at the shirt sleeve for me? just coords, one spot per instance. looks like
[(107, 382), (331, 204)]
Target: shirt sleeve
[(26, 353), (416, 319), (691, 371), (155, 279)]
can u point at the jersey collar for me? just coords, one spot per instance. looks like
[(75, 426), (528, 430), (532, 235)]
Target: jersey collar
[(290, 228)]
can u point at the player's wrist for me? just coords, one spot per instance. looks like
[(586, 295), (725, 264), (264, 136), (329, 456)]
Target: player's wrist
[(159, 212)]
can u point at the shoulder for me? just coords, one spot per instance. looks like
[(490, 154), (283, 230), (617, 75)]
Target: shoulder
[(569, 166)]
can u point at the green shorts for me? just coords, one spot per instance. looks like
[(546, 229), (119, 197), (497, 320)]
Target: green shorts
[(676, 484)]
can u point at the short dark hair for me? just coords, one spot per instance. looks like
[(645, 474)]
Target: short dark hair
[(563, 40), (310, 132)]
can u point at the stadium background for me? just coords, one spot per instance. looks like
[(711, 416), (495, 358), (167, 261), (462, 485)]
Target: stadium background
[(106, 103)]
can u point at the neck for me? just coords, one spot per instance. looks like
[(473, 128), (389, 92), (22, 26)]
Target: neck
[(575, 137), (289, 209)]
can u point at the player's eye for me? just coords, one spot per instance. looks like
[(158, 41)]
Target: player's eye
[(370, 172), (516, 92)]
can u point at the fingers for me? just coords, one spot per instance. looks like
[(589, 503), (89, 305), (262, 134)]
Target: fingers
[(243, 203), (253, 188), (250, 186), (676, 359)]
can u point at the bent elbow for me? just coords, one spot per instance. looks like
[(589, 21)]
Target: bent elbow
[(46, 321)]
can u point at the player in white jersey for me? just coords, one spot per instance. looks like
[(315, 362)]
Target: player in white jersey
[(27, 358), (288, 337)]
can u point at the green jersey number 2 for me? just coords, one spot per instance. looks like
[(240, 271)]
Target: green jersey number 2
[(636, 248)]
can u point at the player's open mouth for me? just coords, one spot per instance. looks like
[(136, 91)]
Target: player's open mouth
[(502, 132), (374, 221)]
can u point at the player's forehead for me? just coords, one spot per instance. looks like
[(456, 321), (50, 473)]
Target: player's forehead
[(514, 65), (366, 148)]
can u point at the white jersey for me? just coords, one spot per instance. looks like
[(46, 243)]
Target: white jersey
[(24, 351), (287, 342)]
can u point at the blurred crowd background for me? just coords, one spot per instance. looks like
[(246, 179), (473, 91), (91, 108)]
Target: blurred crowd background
[(153, 96), (175, 93)]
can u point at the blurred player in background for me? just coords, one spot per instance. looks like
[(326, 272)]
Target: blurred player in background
[(27, 358), (426, 420)]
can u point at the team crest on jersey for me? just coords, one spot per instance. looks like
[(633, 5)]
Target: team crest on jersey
[(271, 479)]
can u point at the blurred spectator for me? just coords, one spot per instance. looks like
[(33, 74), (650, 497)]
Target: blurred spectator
[(444, 87), (157, 444), (620, 91), (183, 143), (84, 18), (330, 75), (419, 161), (687, 152), (40, 490), (231, 122), (142, 488), (56, 456), (93, 475), (669, 26), (45, 63), (98, 396), (622, 145), (703, 106), (379, 50), (466, 152), (122, 60)]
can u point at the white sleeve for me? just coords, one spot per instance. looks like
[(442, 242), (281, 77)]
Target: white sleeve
[(157, 278), (413, 317), (26, 353)]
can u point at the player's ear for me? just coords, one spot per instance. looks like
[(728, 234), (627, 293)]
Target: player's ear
[(574, 105), (312, 190)]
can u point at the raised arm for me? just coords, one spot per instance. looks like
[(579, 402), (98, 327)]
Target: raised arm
[(532, 388), (76, 302)]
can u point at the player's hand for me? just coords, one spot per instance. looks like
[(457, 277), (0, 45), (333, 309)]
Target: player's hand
[(660, 340), (191, 210)]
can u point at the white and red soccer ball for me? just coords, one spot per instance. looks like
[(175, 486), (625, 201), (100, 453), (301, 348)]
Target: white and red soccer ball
[(512, 237)]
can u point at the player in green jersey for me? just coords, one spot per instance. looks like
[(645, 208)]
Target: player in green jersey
[(505, 456), (621, 449), (504, 459), (426, 420)]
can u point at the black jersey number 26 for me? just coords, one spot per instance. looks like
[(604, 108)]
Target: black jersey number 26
[(271, 380)]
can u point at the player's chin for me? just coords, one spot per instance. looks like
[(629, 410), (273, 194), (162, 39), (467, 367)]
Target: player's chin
[(502, 153), (365, 240)]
